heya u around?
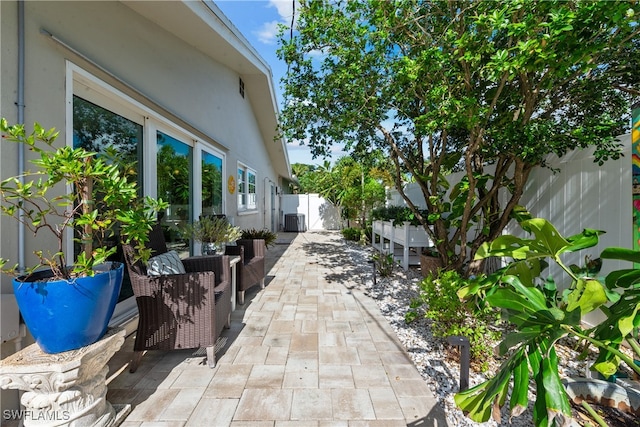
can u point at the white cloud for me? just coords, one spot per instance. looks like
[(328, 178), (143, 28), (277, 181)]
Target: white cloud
[(267, 34), (337, 149), (297, 145), (300, 153), (284, 8)]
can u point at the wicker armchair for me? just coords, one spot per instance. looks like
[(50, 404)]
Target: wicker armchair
[(251, 269), (180, 311)]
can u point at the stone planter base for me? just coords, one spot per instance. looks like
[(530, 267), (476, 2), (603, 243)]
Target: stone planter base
[(429, 264), (63, 389), (122, 411)]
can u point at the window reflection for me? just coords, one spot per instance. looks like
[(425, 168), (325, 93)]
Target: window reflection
[(211, 184), (174, 159), (251, 190), (242, 194), (111, 135)]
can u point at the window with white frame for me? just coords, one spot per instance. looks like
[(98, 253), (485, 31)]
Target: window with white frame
[(247, 190), (170, 163)]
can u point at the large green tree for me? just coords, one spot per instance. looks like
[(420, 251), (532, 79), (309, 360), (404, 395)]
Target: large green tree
[(359, 192), (486, 87)]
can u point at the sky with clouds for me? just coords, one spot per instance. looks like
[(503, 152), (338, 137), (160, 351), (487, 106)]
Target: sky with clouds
[(258, 22)]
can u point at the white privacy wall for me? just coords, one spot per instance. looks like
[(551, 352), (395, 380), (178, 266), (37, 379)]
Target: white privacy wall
[(584, 195), (318, 213)]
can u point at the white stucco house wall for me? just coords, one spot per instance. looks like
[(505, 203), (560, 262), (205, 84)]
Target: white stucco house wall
[(176, 74)]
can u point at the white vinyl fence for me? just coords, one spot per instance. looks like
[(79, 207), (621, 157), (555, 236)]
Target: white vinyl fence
[(318, 213)]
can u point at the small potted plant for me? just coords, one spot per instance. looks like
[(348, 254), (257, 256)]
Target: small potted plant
[(268, 236), (66, 304), (430, 261), (213, 233)]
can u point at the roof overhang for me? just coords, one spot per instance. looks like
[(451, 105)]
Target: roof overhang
[(202, 25)]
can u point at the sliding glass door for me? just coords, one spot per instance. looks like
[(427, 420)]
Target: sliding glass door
[(175, 186), (211, 189), (166, 160), (99, 130)]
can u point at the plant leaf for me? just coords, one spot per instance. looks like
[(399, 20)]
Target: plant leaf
[(534, 295), (627, 324), (606, 368), (556, 396), (520, 393), (587, 295), (622, 254), (587, 239), (548, 241), (527, 270), (622, 278), (515, 338), (506, 245), (478, 402)]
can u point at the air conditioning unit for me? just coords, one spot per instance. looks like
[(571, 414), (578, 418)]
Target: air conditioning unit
[(294, 222), (9, 318)]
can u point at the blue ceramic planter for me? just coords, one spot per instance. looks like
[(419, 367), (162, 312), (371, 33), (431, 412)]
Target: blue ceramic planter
[(63, 315)]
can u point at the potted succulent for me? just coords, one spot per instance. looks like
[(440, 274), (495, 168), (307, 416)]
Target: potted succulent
[(213, 233), (268, 236), (66, 304)]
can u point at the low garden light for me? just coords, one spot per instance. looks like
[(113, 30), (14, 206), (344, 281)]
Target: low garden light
[(463, 344)]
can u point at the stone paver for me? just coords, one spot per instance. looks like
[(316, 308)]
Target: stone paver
[(308, 350)]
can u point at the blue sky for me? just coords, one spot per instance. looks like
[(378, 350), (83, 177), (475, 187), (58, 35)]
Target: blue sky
[(257, 20)]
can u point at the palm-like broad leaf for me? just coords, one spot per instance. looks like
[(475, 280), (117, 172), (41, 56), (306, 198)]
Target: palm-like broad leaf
[(541, 316)]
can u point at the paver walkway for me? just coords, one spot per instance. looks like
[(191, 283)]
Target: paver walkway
[(308, 350)]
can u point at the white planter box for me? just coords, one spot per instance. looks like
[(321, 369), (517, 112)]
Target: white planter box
[(407, 236)]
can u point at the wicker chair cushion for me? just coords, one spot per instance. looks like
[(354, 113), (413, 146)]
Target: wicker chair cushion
[(166, 263)]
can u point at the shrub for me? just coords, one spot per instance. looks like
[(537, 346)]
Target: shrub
[(366, 234), (438, 300), (397, 214), (384, 264), (540, 314), (352, 234)]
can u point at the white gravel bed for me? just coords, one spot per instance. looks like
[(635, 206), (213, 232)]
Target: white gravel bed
[(434, 358)]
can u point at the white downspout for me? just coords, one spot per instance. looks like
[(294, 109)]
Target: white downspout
[(264, 201)]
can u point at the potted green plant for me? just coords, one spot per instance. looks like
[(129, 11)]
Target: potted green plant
[(541, 314), (430, 261), (66, 304), (213, 233), (268, 236)]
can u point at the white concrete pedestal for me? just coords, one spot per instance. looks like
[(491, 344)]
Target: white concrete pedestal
[(65, 388)]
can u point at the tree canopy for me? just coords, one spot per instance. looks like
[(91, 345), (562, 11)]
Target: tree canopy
[(352, 186), (487, 87)]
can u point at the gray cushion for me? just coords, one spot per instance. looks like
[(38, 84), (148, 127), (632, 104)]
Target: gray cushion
[(166, 263)]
